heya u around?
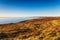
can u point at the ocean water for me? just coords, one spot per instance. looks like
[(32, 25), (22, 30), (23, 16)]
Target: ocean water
[(13, 20)]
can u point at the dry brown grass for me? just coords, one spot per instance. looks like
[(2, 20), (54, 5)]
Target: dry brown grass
[(47, 28)]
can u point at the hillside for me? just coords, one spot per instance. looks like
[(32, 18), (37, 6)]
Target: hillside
[(46, 28)]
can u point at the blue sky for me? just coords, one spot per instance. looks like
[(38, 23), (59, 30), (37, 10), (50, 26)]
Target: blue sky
[(23, 8)]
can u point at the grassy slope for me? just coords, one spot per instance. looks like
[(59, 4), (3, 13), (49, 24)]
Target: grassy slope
[(36, 29)]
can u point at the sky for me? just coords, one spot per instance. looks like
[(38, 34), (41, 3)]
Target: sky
[(28, 8), (12, 10)]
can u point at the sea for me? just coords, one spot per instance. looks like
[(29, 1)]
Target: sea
[(6, 20)]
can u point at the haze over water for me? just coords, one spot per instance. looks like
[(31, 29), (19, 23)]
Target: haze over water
[(12, 20)]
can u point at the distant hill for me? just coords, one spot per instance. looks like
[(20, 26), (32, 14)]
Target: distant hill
[(46, 28)]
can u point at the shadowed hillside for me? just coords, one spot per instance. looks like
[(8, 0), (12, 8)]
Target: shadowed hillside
[(46, 28)]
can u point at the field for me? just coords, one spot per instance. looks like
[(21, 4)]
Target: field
[(45, 28)]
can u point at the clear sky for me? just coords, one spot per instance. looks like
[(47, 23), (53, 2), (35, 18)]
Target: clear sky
[(23, 8)]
